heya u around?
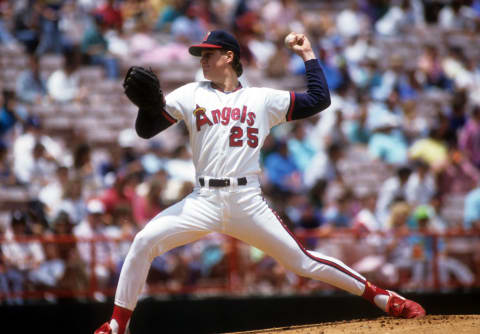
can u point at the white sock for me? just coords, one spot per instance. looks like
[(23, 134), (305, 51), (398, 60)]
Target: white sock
[(381, 301)]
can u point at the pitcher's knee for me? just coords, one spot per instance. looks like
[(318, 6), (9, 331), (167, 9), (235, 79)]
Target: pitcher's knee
[(143, 243), (302, 266)]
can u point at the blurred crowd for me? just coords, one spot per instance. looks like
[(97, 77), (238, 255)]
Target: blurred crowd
[(400, 140)]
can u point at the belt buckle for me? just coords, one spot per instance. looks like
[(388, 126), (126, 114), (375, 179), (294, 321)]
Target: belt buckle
[(222, 182)]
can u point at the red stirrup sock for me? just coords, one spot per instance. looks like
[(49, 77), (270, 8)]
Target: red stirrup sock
[(122, 317), (376, 295)]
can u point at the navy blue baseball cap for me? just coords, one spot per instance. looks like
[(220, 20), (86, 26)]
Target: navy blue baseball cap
[(217, 39)]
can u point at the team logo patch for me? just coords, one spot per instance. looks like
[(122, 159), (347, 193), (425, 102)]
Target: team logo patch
[(206, 36), (198, 109)]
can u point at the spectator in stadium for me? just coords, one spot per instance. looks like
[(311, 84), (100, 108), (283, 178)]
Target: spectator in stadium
[(93, 228), (330, 128), (400, 17), (323, 166), (414, 124), (355, 128), (32, 133), (351, 21), (95, 47), (51, 39), (431, 149), (188, 27), (455, 65), (457, 16), (111, 15), (63, 85), (121, 193), (49, 273), (147, 206), (424, 251), (51, 195), (365, 220), (421, 185), (171, 11), (457, 113), (122, 226), (392, 190), (340, 212), (37, 171), (179, 165), (471, 211), (282, 171), (20, 256), (300, 147), (457, 175), (6, 37), (11, 113), (302, 213), (83, 169), (7, 177), (75, 276), (387, 142), (429, 65), (398, 249), (469, 137), (26, 27), (72, 202), (30, 85), (4, 284)]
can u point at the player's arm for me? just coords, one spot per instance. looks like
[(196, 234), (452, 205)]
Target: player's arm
[(151, 122), (317, 97), (142, 87)]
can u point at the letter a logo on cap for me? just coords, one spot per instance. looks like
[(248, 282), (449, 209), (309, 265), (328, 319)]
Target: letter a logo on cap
[(206, 36)]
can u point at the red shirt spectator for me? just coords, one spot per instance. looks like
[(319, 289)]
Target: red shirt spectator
[(148, 206), (112, 16)]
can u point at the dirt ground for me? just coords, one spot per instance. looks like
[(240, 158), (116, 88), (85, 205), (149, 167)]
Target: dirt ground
[(438, 324)]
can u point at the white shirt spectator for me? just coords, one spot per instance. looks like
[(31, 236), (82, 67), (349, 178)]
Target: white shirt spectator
[(23, 162), (390, 189), (90, 228), (351, 22), (319, 168), (420, 190), (24, 255), (63, 88)]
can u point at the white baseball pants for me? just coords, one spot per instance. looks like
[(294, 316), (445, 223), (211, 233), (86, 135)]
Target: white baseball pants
[(238, 211)]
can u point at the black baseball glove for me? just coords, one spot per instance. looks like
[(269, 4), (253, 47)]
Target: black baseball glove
[(142, 87)]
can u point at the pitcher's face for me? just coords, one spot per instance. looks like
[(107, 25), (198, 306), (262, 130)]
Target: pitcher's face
[(214, 63)]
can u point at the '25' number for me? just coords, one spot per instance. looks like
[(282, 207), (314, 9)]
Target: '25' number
[(236, 134)]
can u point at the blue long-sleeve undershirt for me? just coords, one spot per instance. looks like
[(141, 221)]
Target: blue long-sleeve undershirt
[(317, 97)]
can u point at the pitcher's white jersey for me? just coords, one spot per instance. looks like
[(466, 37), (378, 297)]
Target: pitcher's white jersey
[(227, 130)]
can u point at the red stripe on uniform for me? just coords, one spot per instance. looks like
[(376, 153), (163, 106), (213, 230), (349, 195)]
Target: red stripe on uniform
[(324, 261), (290, 109), (168, 117)]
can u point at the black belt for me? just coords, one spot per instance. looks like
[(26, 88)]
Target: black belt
[(242, 181)]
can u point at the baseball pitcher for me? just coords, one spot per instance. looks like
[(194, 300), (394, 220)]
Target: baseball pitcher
[(228, 124)]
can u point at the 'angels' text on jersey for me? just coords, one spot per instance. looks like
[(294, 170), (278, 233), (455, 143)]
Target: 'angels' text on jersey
[(227, 130), (223, 116)]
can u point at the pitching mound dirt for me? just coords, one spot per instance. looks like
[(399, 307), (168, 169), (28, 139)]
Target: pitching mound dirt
[(438, 324)]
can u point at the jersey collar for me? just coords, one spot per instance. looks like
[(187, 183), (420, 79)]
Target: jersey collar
[(214, 86)]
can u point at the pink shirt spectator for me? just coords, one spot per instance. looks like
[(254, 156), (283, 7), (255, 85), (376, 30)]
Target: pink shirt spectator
[(469, 139)]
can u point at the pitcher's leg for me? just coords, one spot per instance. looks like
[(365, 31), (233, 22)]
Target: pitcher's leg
[(187, 221), (159, 236), (265, 231), (259, 226)]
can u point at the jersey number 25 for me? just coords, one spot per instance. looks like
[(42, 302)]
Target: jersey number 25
[(236, 134)]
